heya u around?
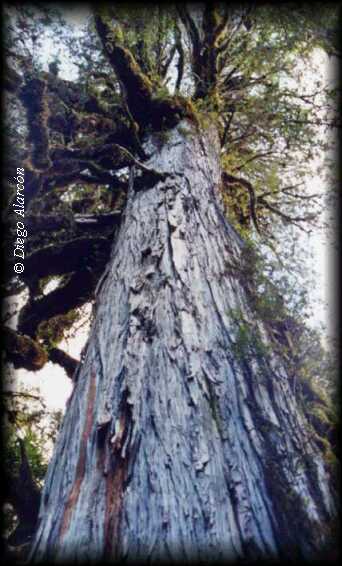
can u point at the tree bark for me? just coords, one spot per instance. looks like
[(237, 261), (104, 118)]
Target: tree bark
[(174, 446)]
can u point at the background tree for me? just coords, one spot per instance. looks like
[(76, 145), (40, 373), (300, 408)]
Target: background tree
[(29, 431), (86, 146)]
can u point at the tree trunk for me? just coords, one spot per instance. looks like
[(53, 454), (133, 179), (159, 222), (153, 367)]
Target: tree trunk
[(175, 445)]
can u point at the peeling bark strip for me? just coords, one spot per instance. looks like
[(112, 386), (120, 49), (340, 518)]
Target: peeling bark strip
[(188, 447)]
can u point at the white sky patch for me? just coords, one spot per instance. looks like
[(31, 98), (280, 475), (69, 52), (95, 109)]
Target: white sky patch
[(51, 285), (321, 245), (51, 383), (76, 13)]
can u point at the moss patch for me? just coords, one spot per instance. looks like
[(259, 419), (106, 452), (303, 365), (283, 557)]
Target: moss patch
[(24, 352)]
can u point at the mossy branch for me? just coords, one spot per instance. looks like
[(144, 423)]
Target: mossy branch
[(144, 105), (136, 85), (12, 80), (72, 295), (23, 352), (232, 180), (33, 97), (66, 257)]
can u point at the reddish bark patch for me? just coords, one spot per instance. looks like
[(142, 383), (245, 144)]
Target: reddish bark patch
[(114, 497), (80, 470), (115, 482)]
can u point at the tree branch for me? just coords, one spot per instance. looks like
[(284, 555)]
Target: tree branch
[(12, 80), (22, 351), (288, 219), (68, 363), (66, 257), (181, 58), (145, 108), (137, 86), (166, 65), (231, 179), (74, 294), (33, 97)]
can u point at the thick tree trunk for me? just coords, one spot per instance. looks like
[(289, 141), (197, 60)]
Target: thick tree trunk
[(174, 445)]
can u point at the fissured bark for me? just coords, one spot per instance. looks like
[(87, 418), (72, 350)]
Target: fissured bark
[(175, 445)]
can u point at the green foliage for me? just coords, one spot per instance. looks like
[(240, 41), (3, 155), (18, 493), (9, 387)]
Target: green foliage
[(312, 369), (33, 449), (146, 31), (274, 112), (248, 343), (249, 340), (54, 330)]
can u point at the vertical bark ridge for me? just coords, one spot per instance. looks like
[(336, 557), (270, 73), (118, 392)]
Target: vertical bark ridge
[(80, 470), (193, 449)]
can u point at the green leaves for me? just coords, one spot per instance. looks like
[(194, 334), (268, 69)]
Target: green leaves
[(26, 417)]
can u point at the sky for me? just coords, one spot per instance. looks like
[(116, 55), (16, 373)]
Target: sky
[(322, 245), (52, 382)]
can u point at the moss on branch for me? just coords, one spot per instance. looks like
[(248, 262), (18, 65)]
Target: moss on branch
[(33, 97), (145, 106), (66, 257), (23, 352), (12, 81), (75, 293)]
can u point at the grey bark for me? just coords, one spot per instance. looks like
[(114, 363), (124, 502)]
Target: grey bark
[(173, 447)]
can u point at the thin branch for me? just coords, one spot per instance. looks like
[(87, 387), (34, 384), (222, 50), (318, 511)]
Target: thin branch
[(149, 170), (288, 219), (227, 128), (22, 394), (166, 65), (251, 193), (257, 156), (283, 189), (181, 58)]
